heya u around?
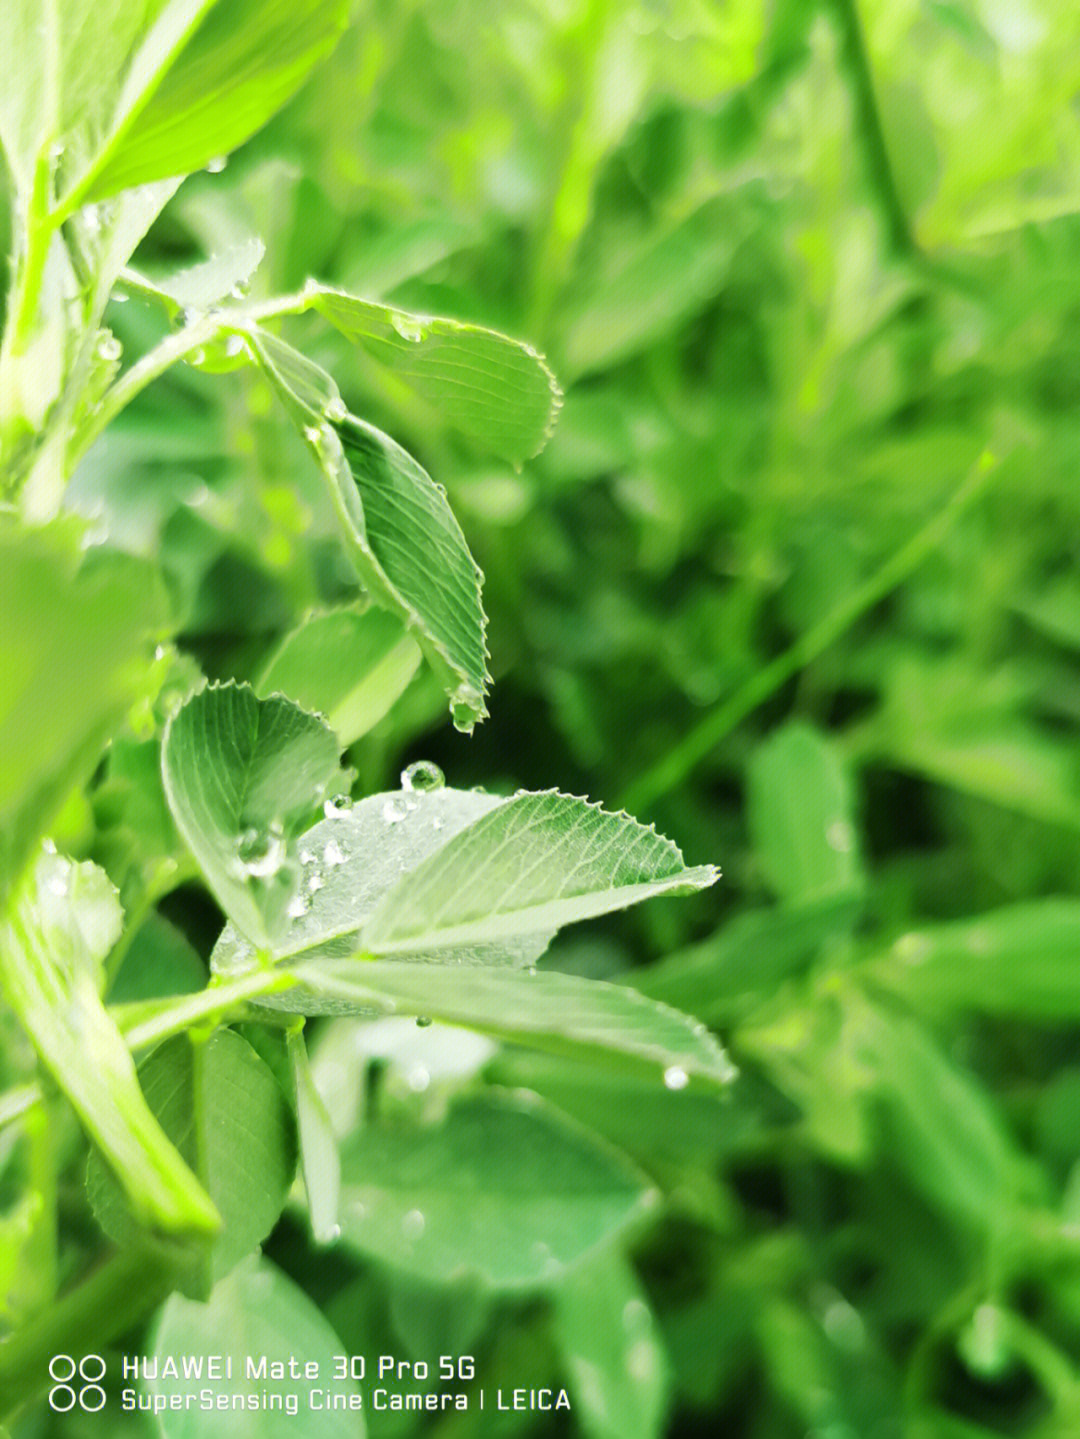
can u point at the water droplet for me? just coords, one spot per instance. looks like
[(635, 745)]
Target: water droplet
[(436, 823), (408, 327), (315, 883), (413, 1224), (217, 164), (335, 410), (306, 857), (197, 357), (393, 811), (57, 883), (260, 852), (48, 846), (297, 907), (108, 347), (418, 1079), (160, 652), (333, 854), (422, 1021), (92, 219), (240, 290), (676, 1078), (332, 1234), (235, 345), (337, 805), (423, 776), (119, 298), (312, 434)]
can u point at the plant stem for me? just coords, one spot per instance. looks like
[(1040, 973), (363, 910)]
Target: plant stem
[(141, 1028), (107, 1303), (39, 233), (147, 1022), (678, 763), (176, 346)]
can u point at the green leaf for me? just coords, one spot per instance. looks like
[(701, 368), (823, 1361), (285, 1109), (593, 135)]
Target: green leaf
[(463, 878), (532, 865), (399, 530), (612, 1349), (159, 962), (203, 77), (502, 1190), (221, 1106), (671, 1133), (60, 68), (318, 1145), (67, 626), (63, 920), (800, 809), (495, 391), (242, 778), (256, 1311), (1024, 960), (349, 861), (202, 286), (560, 1013), (350, 664)]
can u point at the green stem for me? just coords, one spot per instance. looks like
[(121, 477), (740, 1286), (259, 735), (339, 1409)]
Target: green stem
[(39, 233), (178, 345), (77, 1041), (104, 1305), (674, 766), (870, 129), (144, 1023), (142, 1027)]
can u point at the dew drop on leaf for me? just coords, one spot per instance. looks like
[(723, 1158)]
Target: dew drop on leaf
[(307, 857), (108, 347), (337, 805), (235, 345), (260, 852), (676, 1078), (335, 410), (423, 776), (297, 907), (408, 327), (217, 164), (315, 883), (333, 854), (393, 811), (422, 1021)]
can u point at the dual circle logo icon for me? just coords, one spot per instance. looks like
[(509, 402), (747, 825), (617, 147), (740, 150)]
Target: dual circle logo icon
[(76, 1382)]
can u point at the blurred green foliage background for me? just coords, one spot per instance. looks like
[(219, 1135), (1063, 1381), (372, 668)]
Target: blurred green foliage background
[(798, 266)]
